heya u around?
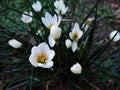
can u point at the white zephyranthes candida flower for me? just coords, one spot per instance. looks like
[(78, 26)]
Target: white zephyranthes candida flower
[(85, 25), (37, 6), (41, 56), (117, 37), (26, 18), (68, 43), (75, 35), (61, 9), (55, 33), (76, 68), (14, 43), (49, 21)]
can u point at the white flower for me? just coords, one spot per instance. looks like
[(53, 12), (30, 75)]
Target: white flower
[(117, 37), (26, 18), (14, 43), (55, 33), (68, 43), (76, 68), (85, 25), (39, 32), (41, 56), (61, 9), (49, 21), (37, 6), (75, 35)]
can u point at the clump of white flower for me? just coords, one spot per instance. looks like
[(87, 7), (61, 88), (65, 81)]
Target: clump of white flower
[(75, 35), (49, 21), (61, 9), (41, 56), (52, 23), (68, 43), (37, 6), (27, 18), (55, 34), (117, 36), (14, 43), (76, 68)]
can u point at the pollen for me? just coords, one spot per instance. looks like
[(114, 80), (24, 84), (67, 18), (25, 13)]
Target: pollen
[(42, 58), (75, 36), (50, 26)]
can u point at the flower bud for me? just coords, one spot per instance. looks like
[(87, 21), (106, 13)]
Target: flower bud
[(55, 32), (68, 43), (14, 43), (117, 37), (76, 68), (37, 6)]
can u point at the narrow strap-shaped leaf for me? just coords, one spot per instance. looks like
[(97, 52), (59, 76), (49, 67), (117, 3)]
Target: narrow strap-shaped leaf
[(33, 10), (89, 39), (90, 12), (103, 48), (14, 21)]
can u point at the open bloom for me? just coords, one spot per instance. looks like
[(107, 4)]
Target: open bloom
[(49, 21), (68, 43), (117, 37), (37, 6), (41, 56), (75, 35), (85, 25), (76, 68), (61, 9), (14, 43), (55, 34), (26, 18)]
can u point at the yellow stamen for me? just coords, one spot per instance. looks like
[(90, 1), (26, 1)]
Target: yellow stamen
[(50, 26), (42, 58), (75, 36)]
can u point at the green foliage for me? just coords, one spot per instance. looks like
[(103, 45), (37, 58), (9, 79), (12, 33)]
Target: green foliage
[(15, 61)]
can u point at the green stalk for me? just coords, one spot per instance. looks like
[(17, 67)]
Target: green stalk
[(31, 79)]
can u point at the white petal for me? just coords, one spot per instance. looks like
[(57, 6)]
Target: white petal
[(33, 60), (80, 33), (43, 48), (76, 68), (59, 20), (57, 11), (45, 22), (55, 32), (117, 37), (47, 65), (55, 19), (34, 50), (74, 46), (70, 34), (14, 43), (51, 55), (68, 43), (76, 28), (30, 13), (51, 41), (49, 17)]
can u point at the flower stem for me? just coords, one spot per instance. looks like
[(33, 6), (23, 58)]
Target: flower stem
[(31, 78)]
